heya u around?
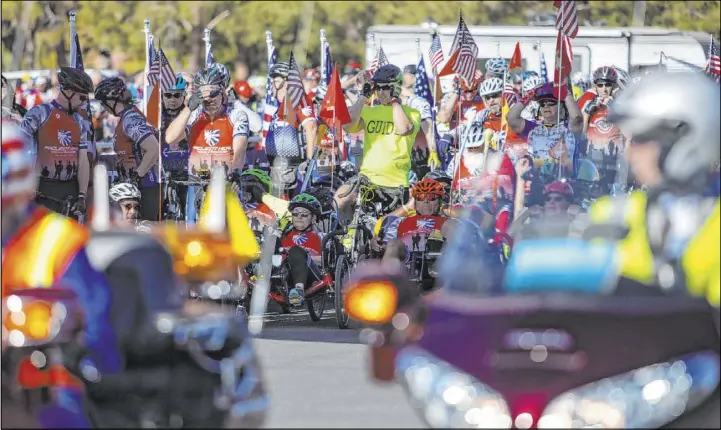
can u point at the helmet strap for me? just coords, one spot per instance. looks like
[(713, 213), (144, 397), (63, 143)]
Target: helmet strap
[(68, 98)]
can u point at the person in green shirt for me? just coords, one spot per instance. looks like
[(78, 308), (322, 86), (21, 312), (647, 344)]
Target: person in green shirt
[(389, 130)]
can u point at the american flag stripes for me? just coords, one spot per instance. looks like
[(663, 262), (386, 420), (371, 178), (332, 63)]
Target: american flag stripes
[(713, 66), (422, 88), (167, 77), (327, 71), (462, 34), (464, 63), (380, 61), (270, 104), (435, 53), (566, 19), (294, 84), (154, 71)]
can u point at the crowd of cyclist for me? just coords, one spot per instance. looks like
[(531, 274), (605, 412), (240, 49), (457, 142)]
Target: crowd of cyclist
[(537, 157)]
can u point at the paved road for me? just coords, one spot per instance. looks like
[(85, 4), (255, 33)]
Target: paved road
[(317, 376)]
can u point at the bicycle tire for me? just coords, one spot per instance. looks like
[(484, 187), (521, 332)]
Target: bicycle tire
[(342, 268)]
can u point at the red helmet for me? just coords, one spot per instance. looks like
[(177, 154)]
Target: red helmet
[(428, 188), (559, 187), (242, 89), (605, 73), (311, 74)]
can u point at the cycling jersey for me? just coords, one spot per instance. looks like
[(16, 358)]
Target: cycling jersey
[(131, 131), (310, 241), (173, 160), (211, 140), (255, 123), (600, 132), (414, 231), (386, 155), (58, 136), (549, 144)]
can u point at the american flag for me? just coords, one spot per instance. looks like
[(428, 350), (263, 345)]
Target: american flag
[(509, 93), (465, 62), (210, 59), (380, 61), (435, 53), (76, 54), (327, 71), (294, 83), (544, 68), (154, 71), (713, 66), (422, 88), (566, 19), (462, 34), (167, 77), (270, 104)]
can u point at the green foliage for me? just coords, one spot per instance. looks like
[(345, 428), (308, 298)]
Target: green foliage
[(178, 25)]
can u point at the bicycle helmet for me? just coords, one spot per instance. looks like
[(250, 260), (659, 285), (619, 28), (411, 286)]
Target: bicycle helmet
[(387, 74), (623, 77), (605, 74), (689, 137), (559, 187), (180, 83), (259, 176), (528, 74), (531, 82), (428, 186), (491, 86), (441, 176), (210, 76), (496, 66), (242, 89), (18, 173), (279, 69), (75, 80), (124, 191), (224, 73), (112, 89), (306, 201)]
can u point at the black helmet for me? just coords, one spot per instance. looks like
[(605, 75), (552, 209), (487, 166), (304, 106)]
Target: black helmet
[(387, 74), (112, 89), (279, 69), (210, 76), (75, 80), (442, 177)]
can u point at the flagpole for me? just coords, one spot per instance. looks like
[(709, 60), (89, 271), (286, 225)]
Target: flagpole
[(146, 94), (562, 40), (372, 44), (418, 48), (73, 48), (322, 50), (498, 49), (160, 140), (206, 39)]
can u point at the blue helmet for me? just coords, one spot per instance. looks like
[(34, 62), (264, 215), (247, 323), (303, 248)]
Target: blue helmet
[(180, 83), (528, 74)]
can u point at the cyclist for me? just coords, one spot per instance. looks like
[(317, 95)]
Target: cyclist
[(175, 161), (673, 229), (395, 237), (135, 143), (594, 106), (471, 102), (303, 245), (244, 98), (63, 263), (390, 130), (217, 133), (551, 144), (59, 135), (254, 188), (125, 203), (284, 142), (558, 199), (496, 68)]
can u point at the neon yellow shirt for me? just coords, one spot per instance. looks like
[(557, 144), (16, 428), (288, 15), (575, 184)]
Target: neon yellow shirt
[(386, 155)]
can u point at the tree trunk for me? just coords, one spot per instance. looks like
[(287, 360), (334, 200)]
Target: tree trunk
[(639, 13), (22, 32), (196, 43)]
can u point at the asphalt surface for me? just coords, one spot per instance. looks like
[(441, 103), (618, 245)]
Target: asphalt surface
[(317, 376)]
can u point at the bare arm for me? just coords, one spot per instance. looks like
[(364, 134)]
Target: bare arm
[(240, 146), (83, 171), (310, 130), (176, 130), (575, 120), (150, 156), (427, 128), (445, 114), (403, 124), (515, 122), (355, 114)]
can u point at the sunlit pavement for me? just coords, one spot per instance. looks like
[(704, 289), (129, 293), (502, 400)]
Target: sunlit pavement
[(317, 376)]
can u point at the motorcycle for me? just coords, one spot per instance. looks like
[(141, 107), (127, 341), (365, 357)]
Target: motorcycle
[(553, 340)]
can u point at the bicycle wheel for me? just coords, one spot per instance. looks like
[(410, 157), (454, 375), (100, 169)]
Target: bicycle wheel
[(316, 306), (342, 268)]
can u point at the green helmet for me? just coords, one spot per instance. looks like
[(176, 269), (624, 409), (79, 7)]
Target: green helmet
[(306, 201), (260, 176)]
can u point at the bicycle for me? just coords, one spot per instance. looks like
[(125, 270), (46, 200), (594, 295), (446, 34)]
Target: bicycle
[(174, 210)]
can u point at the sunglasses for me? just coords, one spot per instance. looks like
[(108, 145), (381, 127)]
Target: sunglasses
[(130, 205), (555, 199), (604, 85), (492, 96), (383, 87), (173, 95), (300, 214), (215, 93), (547, 103), (426, 197)]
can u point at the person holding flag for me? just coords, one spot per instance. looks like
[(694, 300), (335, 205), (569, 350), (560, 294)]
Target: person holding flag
[(422, 100), (471, 102)]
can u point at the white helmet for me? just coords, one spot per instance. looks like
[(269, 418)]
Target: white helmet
[(497, 66), (689, 137), (491, 86), (623, 77), (531, 82), (124, 191), (474, 136)]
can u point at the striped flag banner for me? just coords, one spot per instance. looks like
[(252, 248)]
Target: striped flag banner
[(167, 77), (566, 19), (270, 104), (435, 53)]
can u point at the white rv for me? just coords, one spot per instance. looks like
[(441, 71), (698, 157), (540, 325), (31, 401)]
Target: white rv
[(632, 49)]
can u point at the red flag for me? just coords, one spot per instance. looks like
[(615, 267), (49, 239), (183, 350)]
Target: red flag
[(334, 107), (564, 58), (516, 60), (152, 110)]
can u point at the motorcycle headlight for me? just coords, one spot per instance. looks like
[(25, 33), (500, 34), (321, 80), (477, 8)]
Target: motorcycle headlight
[(447, 397), (277, 260), (651, 396)]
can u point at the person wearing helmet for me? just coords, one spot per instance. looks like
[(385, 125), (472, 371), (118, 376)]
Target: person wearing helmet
[(471, 101), (303, 245), (673, 228), (125, 198), (532, 81), (397, 236), (253, 188), (60, 141), (284, 144), (558, 197), (217, 133), (135, 143), (61, 265), (624, 78), (175, 161), (496, 67), (594, 105), (390, 130), (552, 145)]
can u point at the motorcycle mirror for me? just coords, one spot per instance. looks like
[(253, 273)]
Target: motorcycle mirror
[(214, 222), (101, 203)]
